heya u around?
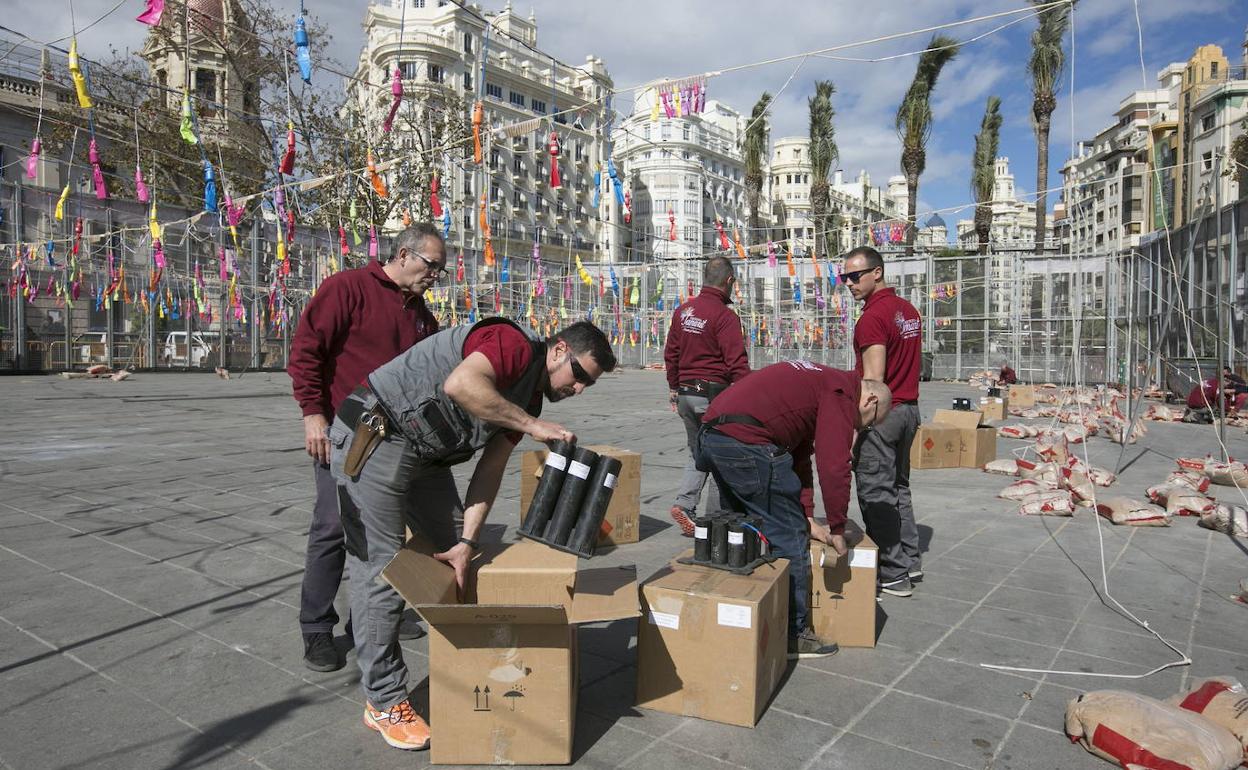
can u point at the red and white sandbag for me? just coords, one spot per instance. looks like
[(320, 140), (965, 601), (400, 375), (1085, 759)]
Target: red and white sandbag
[(1192, 464), (1045, 472), (1227, 519), (1191, 479), (1124, 510), (1100, 476), (1005, 467), (1221, 700), (1017, 431), (1056, 502), (1135, 731), (1078, 484), (1021, 489), (1232, 474), (1052, 448)]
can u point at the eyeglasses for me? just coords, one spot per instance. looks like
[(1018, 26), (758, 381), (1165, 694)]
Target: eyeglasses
[(578, 372), (439, 270), (854, 275)]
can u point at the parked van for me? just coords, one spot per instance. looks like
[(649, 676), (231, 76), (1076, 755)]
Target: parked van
[(203, 344)]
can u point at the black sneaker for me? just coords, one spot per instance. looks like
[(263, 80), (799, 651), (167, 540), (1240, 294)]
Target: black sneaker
[(916, 576), (410, 627), (319, 652), (807, 645), (349, 631), (899, 587)]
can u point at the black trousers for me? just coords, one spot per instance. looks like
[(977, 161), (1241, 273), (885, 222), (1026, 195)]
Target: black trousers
[(322, 571)]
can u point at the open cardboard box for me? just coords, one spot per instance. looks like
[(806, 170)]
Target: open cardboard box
[(977, 443), (621, 525), (503, 666)]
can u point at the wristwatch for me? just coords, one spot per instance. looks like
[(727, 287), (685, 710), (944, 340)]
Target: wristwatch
[(473, 544)]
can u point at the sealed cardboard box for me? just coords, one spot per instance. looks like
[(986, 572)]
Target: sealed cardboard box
[(503, 671), (994, 408), (935, 446), (976, 444), (712, 644), (622, 522), (842, 593), (1022, 396)]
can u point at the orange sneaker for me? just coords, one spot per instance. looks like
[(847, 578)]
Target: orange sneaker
[(400, 726), (681, 517)]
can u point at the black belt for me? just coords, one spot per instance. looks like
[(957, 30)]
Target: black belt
[(734, 419), (351, 410), (909, 402), (705, 388)]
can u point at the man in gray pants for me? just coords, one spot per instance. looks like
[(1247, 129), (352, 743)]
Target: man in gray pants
[(392, 445), (888, 342), (704, 354)]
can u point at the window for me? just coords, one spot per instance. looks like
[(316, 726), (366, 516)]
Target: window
[(539, 106), (206, 85), (686, 132), (467, 185), (516, 165), (418, 3), (691, 233), (467, 43), (516, 99), (494, 159), (494, 91), (1206, 161), (645, 132), (1213, 69), (467, 80), (517, 199), (1206, 122), (468, 219), (665, 132), (409, 70), (436, 73)]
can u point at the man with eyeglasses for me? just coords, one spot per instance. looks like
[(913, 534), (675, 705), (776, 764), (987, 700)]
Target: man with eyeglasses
[(888, 342), (758, 440), (392, 445), (358, 320), (704, 354)]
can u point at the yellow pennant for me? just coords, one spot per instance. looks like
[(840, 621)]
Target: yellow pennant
[(75, 71), (60, 204)]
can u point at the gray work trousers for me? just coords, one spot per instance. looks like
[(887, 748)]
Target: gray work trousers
[(882, 474), (393, 489), (689, 494)]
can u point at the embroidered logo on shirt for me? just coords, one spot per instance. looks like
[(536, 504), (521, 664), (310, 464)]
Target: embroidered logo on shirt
[(690, 322), (909, 327), (801, 363)]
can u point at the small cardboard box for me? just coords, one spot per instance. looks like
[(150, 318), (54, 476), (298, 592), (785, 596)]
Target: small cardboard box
[(712, 644), (622, 522), (503, 674), (842, 593), (994, 408), (935, 446), (1022, 396), (976, 444)]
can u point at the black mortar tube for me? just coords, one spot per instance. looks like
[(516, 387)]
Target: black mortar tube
[(568, 506), (547, 492), (601, 487)]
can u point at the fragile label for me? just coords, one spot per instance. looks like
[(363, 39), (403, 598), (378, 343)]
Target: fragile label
[(580, 470), (862, 557), (611, 481), (558, 462), (699, 533), (736, 538), (735, 615), (666, 619)]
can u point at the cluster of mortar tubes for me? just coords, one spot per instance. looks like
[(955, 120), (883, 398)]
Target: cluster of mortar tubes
[(571, 498)]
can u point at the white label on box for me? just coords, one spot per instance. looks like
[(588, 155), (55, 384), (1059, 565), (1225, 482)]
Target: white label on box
[(735, 615), (580, 470), (699, 533), (665, 619), (862, 557), (611, 481), (558, 462), (736, 538)]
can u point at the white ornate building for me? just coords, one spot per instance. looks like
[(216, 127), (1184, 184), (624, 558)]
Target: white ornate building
[(1013, 220)]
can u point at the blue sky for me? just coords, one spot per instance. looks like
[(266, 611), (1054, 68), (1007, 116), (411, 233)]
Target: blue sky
[(645, 39)]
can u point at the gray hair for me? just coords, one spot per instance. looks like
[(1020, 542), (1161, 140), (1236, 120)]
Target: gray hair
[(412, 238)]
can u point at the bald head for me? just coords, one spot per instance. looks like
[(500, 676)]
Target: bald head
[(874, 403)]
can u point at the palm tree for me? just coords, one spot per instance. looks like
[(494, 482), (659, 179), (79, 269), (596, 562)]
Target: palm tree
[(754, 148), (983, 170), (914, 121), (1045, 70), (823, 155)]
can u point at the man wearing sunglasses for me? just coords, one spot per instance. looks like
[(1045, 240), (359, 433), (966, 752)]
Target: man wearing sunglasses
[(357, 321), (758, 439), (704, 354), (393, 443), (888, 343)]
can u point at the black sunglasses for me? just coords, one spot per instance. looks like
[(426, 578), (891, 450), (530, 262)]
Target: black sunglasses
[(578, 372), (854, 275), (438, 270)]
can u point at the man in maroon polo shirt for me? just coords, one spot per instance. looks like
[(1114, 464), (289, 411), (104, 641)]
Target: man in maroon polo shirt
[(705, 353), (758, 439), (888, 342), (357, 321)]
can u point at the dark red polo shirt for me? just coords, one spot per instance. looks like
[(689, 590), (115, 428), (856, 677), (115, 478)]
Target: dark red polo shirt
[(357, 321), (705, 341), (890, 321), (808, 409), (509, 352), (1205, 395)]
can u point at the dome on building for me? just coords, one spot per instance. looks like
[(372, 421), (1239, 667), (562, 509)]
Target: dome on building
[(935, 221)]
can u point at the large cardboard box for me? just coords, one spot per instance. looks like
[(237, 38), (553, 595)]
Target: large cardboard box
[(623, 519), (712, 644), (977, 444), (994, 408), (503, 671), (1022, 396), (842, 593), (935, 446)]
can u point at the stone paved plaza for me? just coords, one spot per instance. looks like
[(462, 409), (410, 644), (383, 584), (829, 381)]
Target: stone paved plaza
[(152, 535)]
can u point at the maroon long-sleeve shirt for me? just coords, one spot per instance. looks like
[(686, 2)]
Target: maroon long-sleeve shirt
[(358, 320), (705, 341), (807, 409)]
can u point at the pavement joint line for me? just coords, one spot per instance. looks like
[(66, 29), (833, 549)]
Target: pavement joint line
[(656, 739), (913, 751), (1191, 631), (890, 687)]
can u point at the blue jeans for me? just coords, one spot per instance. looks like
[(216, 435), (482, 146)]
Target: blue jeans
[(759, 479)]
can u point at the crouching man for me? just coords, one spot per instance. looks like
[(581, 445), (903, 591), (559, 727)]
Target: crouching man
[(393, 443), (757, 440)]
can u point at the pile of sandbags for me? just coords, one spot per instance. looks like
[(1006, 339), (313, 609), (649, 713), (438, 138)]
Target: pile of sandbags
[(1054, 483), (1230, 474), (1133, 730), (1183, 494)]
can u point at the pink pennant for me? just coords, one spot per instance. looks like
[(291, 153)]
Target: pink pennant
[(140, 189), (97, 174), (32, 162), (771, 254), (372, 242), (158, 254), (396, 90), (151, 16)]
